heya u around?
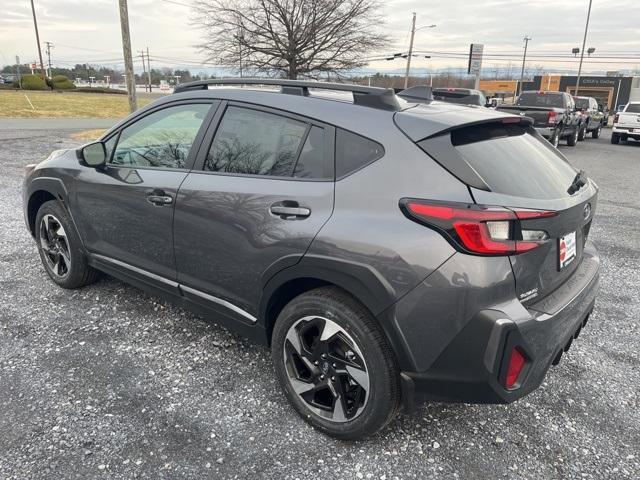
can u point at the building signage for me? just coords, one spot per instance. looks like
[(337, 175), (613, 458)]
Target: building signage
[(475, 58)]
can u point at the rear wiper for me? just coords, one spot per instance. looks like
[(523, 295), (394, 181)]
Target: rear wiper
[(579, 181)]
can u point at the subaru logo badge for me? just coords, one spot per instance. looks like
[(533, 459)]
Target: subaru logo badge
[(587, 211)]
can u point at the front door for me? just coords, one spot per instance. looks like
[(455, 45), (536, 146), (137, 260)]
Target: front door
[(253, 203), (126, 209)]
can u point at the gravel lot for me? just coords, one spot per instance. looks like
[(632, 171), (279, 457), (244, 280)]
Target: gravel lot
[(107, 381)]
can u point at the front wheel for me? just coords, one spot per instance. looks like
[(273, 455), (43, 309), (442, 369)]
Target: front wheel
[(572, 139), (582, 133), (60, 248), (335, 365)]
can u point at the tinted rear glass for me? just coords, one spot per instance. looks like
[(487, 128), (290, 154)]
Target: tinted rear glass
[(354, 152), (633, 108), (457, 97), (512, 160), (582, 103), (540, 99)]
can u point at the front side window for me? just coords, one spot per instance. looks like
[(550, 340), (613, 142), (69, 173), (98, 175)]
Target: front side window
[(253, 142), (161, 139)]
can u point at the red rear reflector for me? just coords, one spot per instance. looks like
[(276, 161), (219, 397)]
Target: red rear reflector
[(517, 362), (552, 117), (476, 229)]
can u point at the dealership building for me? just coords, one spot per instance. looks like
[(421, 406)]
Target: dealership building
[(610, 91)]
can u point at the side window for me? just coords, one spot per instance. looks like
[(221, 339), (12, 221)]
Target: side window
[(254, 142), (161, 139), (354, 152), (312, 162)]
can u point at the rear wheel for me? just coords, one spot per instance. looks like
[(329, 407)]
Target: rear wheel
[(335, 365), (555, 138), (60, 248), (597, 131), (572, 139), (615, 138)]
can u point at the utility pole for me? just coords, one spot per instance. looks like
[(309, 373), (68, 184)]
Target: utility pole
[(524, 59), (49, 45), (35, 24), (584, 41), (144, 68), (413, 32), (18, 71), (126, 52), (149, 69)]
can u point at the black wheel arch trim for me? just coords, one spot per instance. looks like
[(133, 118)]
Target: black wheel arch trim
[(358, 279)]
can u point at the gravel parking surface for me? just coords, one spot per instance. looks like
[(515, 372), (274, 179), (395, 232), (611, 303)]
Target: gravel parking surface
[(107, 381)]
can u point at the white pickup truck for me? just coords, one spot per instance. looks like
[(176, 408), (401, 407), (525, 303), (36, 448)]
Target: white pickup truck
[(626, 123)]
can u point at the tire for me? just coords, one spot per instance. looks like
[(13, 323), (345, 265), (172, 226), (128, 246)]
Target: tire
[(597, 131), (358, 364), (555, 138), (615, 138), (60, 248), (582, 133), (572, 139)]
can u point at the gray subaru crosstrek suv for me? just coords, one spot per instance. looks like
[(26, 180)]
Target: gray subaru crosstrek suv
[(388, 251)]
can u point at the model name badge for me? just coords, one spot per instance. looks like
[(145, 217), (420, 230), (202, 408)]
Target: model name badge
[(529, 294)]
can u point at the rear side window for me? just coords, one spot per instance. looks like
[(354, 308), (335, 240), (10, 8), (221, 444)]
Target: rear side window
[(633, 108), (541, 99), (354, 152), (512, 160), (254, 142)]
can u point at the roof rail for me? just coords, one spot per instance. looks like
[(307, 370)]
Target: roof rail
[(374, 97)]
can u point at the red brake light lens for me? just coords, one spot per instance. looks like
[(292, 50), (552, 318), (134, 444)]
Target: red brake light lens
[(517, 361), (475, 229), (615, 118), (552, 117)]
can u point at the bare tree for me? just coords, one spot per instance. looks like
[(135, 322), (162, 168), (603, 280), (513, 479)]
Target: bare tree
[(290, 38)]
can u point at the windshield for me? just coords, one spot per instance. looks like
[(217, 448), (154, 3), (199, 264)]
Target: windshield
[(540, 99), (513, 160), (633, 108)]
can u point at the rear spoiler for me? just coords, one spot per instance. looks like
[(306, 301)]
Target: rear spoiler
[(417, 94)]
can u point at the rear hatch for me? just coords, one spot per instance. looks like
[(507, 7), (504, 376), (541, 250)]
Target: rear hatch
[(507, 164)]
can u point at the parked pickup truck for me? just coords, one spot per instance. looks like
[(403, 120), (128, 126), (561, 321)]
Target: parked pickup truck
[(553, 113), (592, 116), (626, 124)]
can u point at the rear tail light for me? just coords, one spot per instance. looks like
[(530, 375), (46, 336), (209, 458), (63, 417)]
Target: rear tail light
[(552, 117), (476, 229), (615, 118), (517, 361)]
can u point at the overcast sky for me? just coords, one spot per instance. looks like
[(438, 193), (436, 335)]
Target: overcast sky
[(89, 31)]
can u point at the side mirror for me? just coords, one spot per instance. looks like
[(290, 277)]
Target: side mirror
[(93, 155)]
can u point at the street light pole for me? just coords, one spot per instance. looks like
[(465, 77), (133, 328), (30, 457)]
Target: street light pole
[(584, 42), (413, 32), (524, 59)]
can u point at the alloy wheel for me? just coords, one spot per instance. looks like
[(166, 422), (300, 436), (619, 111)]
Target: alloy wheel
[(326, 369), (55, 245)]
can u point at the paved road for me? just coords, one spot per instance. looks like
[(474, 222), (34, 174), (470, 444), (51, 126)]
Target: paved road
[(48, 124), (110, 382)]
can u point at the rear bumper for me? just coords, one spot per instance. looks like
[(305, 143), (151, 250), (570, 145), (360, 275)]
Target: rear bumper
[(626, 131), (473, 366), (546, 132)]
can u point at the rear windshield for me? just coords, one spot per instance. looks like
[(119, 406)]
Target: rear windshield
[(582, 103), (633, 108), (457, 97), (513, 160), (540, 99)]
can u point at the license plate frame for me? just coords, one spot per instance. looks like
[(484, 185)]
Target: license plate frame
[(567, 249)]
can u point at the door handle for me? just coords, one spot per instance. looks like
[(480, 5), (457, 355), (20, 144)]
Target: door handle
[(289, 209), (159, 198)]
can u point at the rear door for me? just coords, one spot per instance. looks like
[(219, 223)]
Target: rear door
[(261, 189), (522, 170)]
